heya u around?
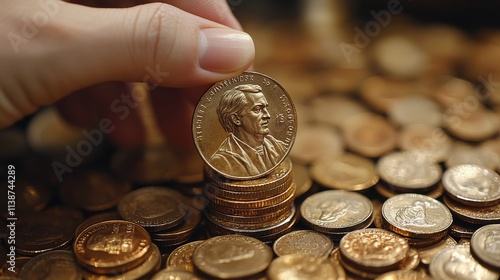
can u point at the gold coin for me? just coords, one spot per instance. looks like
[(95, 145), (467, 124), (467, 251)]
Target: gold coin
[(213, 191), (381, 93), (232, 256), (463, 153), (336, 211), (461, 229), (107, 216), (243, 127), (416, 216), (40, 232), (112, 247), (485, 245), (404, 275), (409, 171), (303, 242), (427, 253), (143, 271), (416, 109), (472, 124), (474, 215), (456, 263), (370, 135), (388, 191), (344, 172), (191, 220), (222, 203), (301, 266), (424, 138), (92, 190), (154, 208), (182, 257), (472, 185), (313, 141), (375, 250), (57, 264), (492, 147), (301, 179), (277, 177), (334, 110), (166, 274)]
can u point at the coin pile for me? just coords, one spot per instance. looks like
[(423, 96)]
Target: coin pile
[(473, 196), (248, 177), (368, 253), (336, 212), (262, 208), (163, 212), (119, 248)]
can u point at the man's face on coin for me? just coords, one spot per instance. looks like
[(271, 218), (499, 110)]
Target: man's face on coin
[(255, 117)]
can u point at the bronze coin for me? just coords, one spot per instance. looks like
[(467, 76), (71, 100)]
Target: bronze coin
[(57, 264), (245, 126)]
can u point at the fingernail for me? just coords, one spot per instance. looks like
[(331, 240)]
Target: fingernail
[(225, 50)]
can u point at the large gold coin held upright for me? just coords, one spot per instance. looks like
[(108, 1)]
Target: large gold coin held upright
[(245, 126)]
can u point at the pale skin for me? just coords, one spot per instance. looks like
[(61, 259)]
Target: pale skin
[(81, 57), (253, 124)]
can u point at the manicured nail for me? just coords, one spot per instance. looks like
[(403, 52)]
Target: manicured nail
[(225, 50)]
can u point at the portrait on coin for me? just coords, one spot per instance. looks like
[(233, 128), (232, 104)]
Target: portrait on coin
[(249, 148)]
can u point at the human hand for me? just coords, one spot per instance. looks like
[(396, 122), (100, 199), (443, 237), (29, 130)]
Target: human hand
[(51, 48)]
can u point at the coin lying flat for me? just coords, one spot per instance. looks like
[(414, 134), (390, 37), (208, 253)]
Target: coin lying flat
[(174, 275), (181, 258), (474, 215), (301, 266), (313, 141), (112, 246), (472, 185), (457, 263), (336, 211), (375, 250), (57, 264), (416, 216), (409, 171), (232, 256), (344, 172), (427, 253), (154, 208), (142, 271), (303, 242), (243, 127), (428, 139), (485, 244)]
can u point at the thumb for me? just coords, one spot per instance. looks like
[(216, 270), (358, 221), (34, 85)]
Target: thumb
[(159, 44), (78, 46)]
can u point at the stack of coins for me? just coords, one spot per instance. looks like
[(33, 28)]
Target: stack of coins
[(473, 196), (420, 219), (116, 248), (163, 212), (336, 212), (262, 208), (409, 172), (248, 178), (368, 253)]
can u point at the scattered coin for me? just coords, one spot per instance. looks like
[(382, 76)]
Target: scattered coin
[(457, 263), (232, 256), (427, 139), (415, 109), (472, 185), (485, 245), (336, 211), (409, 171), (301, 266), (166, 274), (112, 247), (404, 275), (313, 141), (182, 257), (154, 208), (303, 242), (427, 253), (416, 216), (370, 135), (57, 264), (344, 172)]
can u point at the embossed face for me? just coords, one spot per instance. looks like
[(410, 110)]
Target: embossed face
[(255, 116), (113, 244), (460, 265), (492, 243)]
